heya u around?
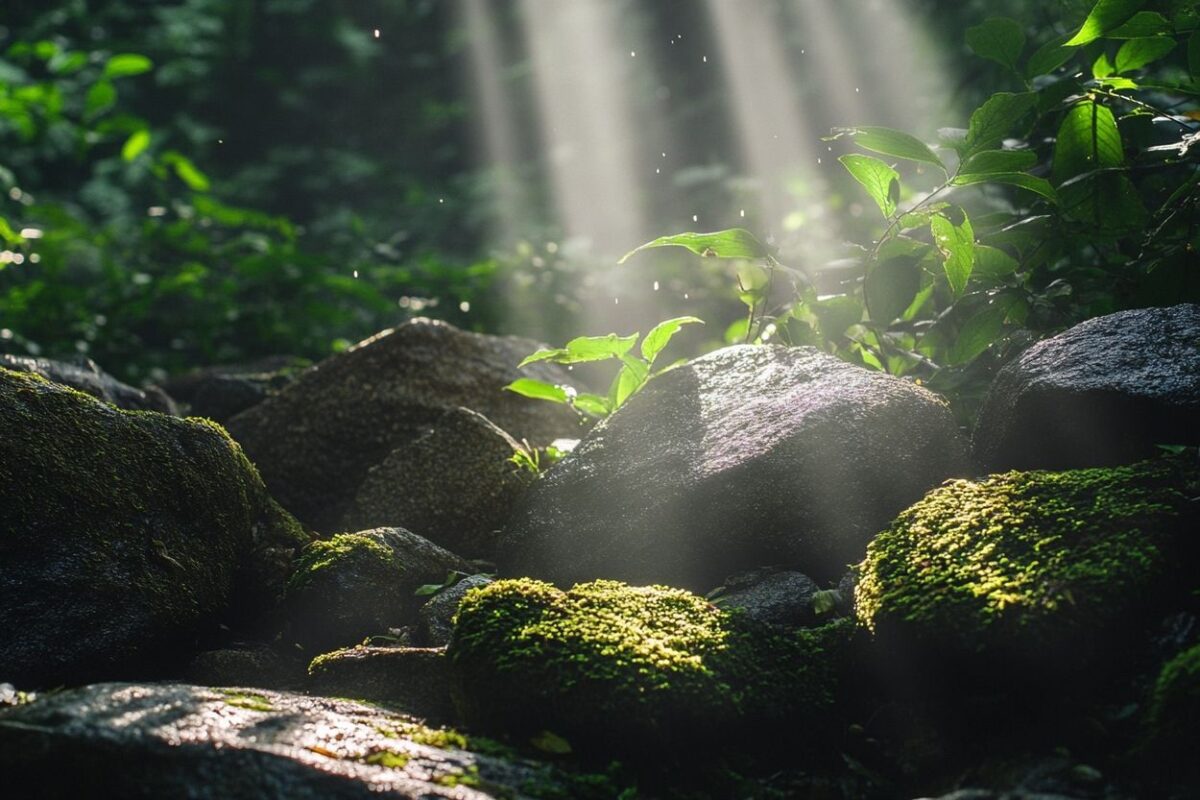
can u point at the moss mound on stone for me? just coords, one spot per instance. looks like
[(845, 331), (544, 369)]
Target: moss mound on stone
[(633, 669), (1032, 570), (1174, 712)]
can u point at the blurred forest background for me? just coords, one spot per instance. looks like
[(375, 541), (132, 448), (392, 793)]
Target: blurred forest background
[(193, 182)]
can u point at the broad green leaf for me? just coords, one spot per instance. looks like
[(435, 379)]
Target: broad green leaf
[(1049, 57), (1194, 54), (836, 314), (891, 286), (1032, 183), (633, 374), (538, 390), (1106, 15), (891, 142), (737, 331), (544, 354), (135, 145), (592, 404), (957, 246), (1102, 67), (992, 263), (100, 98), (187, 171), (1087, 140), (881, 181), (1107, 200), (125, 64), (997, 118), (977, 334), (597, 348), (999, 38), (731, 243), (1137, 53), (1143, 23), (989, 161), (551, 743), (661, 334)]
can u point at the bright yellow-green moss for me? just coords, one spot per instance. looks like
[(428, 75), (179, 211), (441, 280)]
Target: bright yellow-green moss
[(366, 554), (1033, 562), (630, 666)]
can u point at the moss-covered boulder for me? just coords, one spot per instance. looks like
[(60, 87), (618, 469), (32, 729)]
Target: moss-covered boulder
[(124, 536), (634, 670), (415, 680), (86, 376), (354, 585), (1174, 713), (1030, 576)]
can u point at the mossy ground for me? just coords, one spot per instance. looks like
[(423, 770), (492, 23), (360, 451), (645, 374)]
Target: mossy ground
[(1029, 568), (632, 667)]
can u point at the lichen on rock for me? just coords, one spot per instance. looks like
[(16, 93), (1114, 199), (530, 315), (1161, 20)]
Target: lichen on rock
[(633, 670), (1028, 575)]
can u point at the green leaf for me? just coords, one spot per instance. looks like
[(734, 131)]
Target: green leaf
[(1137, 53), (592, 404), (891, 142), (1102, 67), (1087, 140), (881, 181), (992, 263), (1143, 23), (1105, 16), (825, 601), (427, 589), (1049, 57), (991, 161), (551, 743), (891, 286), (977, 334), (632, 376), (999, 38), (737, 331), (957, 246), (123, 65), (1194, 54), (661, 334), (836, 314), (996, 118), (538, 390), (597, 348), (187, 171), (731, 243), (135, 145), (100, 98), (1032, 183)]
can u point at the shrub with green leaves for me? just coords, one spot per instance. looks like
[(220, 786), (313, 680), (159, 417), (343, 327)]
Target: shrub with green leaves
[(635, 370)]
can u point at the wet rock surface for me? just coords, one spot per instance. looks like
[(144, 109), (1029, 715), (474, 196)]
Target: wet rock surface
[(436, 617), (316, 440), (125, 538), (87, 377), (746, 456), (1104, 392), (220, 393), (415, 680)]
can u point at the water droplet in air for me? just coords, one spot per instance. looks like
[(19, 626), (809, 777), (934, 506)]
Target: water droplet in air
[(376, 32), (695, 217), (356, 273), (464, 306), (656, 286), (742, 212), (633, 53)]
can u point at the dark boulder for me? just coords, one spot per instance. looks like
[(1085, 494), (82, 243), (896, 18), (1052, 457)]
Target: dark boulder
[(220, 393), (437, 615), (415, 680), (124, 536), (1105, 392), (355, 585), (747, 456), (455, 484), (315, 441), (778, 597), (87, 377), (176, 740)]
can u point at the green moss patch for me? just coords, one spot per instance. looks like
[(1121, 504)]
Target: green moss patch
[(1174, 712), (629, 668), (1029, 568)]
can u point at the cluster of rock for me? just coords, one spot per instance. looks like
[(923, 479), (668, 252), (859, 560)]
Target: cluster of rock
[(853, 580)]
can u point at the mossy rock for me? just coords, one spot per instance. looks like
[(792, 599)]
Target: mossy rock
[(354, 585), (1030, 576), (634, 671), (1174, 712), (124, 536)]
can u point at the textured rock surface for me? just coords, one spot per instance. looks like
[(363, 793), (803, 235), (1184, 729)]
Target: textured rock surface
[(1032, 577), (254, 665), (747, 456), (175, 740), (1102, 393), (220, 393), (87, 377), (637, 671), (315, 441), (123, 536), (415, 680), (437, 615), (454, 484), (778, 597), (358, 584)]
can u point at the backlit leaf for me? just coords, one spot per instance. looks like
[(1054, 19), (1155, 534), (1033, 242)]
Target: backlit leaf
[(538, 390), (957, 246), (1105, 16), (997, 118), (135, 145), (731, 243), (123, 65), (891, 142), (1137, 53), (999, 38), (881, 181), (660, 335)]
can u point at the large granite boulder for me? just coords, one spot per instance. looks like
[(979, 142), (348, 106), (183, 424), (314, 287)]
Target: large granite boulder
[(176, 740), (1105, 392), (1041, 579), (124, 536), (747, 456), (87, 377), (455, 484), (315, 441), (358, 584), (639, 672)]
